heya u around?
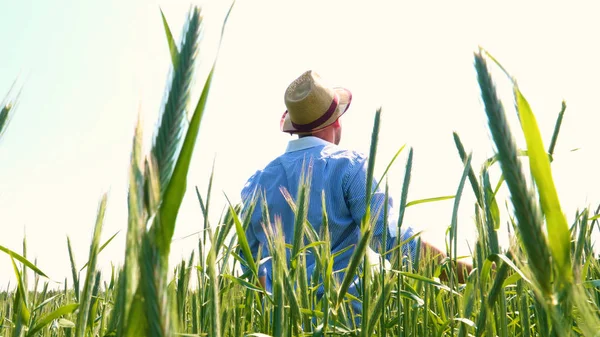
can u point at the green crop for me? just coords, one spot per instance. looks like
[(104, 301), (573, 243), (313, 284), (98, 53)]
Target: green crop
[(544, 284)]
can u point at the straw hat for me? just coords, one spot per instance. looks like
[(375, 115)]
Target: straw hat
[(312, 105)]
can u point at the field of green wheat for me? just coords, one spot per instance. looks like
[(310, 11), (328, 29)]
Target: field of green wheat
[(544, 284)]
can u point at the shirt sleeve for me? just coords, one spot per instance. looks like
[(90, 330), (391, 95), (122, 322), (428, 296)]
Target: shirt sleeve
[(355, 193), (248, 196)]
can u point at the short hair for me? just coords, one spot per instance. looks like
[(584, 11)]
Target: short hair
[(336, 124)]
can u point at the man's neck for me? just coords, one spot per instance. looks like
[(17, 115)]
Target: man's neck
[(316, 136), (305, 143)]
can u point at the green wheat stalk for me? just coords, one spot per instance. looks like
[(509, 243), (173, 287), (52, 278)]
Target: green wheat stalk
[(168, 137), (526, 209)]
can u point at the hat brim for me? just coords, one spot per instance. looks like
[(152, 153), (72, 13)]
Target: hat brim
[(344, 100)]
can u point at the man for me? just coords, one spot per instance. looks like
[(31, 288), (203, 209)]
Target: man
[(313, 113)]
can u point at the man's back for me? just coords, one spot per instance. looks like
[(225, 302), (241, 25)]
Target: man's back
[(338, 173)]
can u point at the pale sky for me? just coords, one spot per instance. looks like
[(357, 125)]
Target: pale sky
[(86, 69)]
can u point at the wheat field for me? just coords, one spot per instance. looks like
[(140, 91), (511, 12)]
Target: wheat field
[(544, 284)]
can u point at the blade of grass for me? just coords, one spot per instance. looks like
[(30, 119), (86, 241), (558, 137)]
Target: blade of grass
[(86, 296), (24, 269), (243, 241), (93, 314), (4, 117), (172, 45), (300, 216), (426, 200), (367, 225), (557, 227), (454, 223), (454, 238), (404, 194), (23, 260), (206, 207), (74, 272), (557, 128), (379, 307), (371, 167), (137, 320), (389, 166), (523, 310), (21, 297), (350, 273), (128, 279), (401, 210), (294, 305), (472, 178), (101, 248), (277, 244), (46, 301), (215, 329), (8, 107)]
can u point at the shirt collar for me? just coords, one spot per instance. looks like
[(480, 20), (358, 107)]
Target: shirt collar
[(305, 143)]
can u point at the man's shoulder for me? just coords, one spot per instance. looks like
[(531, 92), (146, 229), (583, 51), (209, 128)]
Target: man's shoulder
[(351, 156), (249, 185), (254, 180)]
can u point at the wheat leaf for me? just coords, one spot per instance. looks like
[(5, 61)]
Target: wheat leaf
[(172, 46)]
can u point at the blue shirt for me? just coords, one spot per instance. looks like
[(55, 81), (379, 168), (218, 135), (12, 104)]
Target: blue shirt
[(342, 175)]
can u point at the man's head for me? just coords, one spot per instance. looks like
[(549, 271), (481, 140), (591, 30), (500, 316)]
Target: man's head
[(314, 108)]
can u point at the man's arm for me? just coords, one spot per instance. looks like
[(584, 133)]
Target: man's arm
[(355, 193), (263, 281), (251, 208), (355, 187), (430, 251)]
